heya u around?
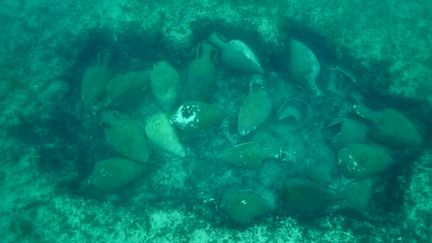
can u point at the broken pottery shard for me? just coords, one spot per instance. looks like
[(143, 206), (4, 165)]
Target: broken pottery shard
[(293, 114)]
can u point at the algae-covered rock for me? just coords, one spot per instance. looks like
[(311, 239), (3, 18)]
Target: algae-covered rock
[(304, 195), (201, 73), (363, 161), (95, 79), (246, 155), (113, 174), (244, 206), (390, 127), (194, 117), (255, 109), (127, 89), (127, 137), (161, 133), (165, 85)]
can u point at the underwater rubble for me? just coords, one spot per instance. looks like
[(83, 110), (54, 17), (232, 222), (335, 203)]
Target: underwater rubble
[(202, 128)]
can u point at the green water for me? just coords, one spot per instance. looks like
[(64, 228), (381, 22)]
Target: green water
[(215, 121)]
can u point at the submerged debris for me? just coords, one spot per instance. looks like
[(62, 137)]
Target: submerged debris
[(304, 66), (194, 117), (390, 127), (306, 119), (237, 56), (363, 161), (165, 85), (255, 109), (95, 79), (244, 206), (113, 174), (162, 134)]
